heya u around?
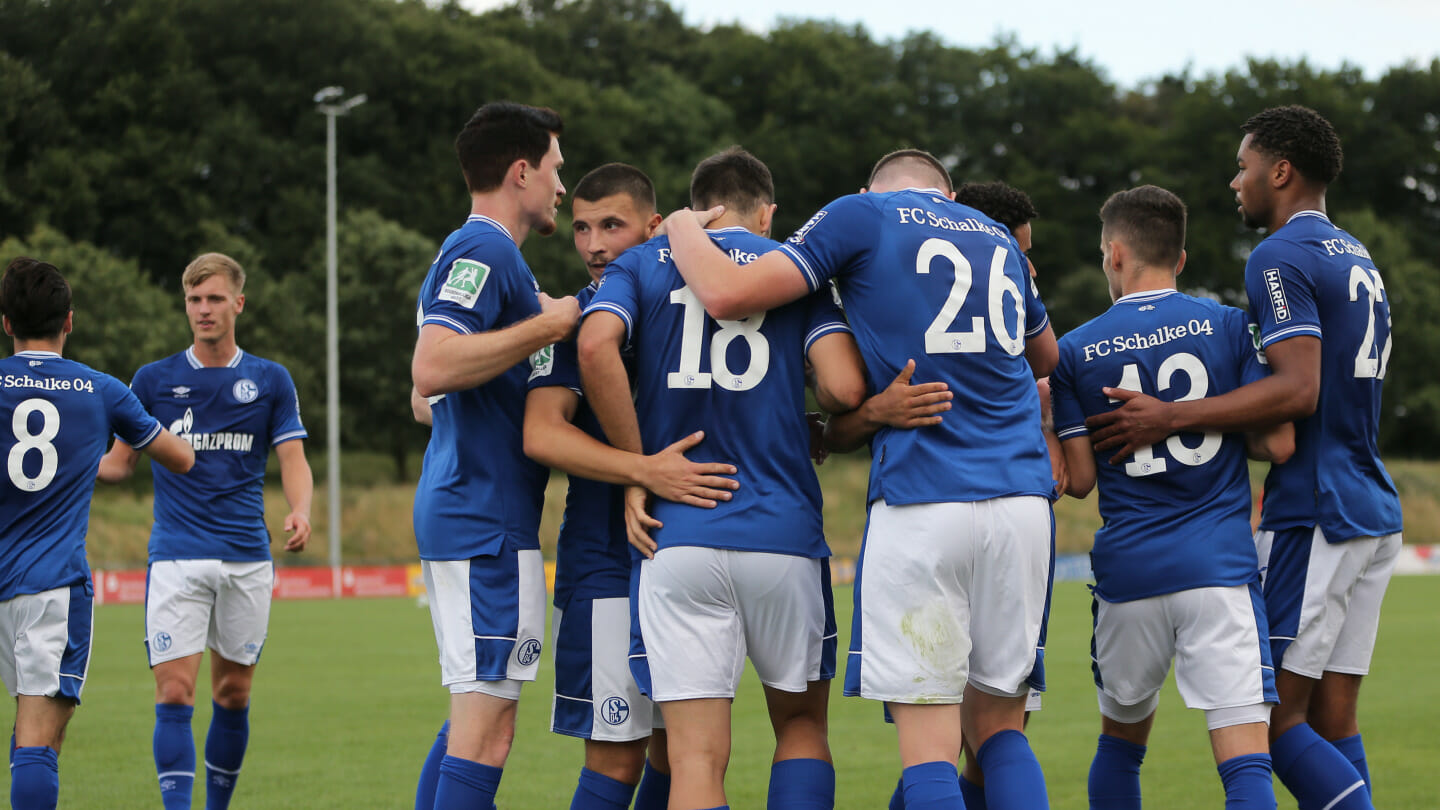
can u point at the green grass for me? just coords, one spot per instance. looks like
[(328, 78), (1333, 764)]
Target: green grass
[(347, 702)]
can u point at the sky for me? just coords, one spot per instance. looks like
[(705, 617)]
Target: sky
[(1131, 40)]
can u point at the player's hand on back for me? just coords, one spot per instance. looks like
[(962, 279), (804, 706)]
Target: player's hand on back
[(638, 522), (1140, 421), (563, 312), (672, 476), (902, 405), (299, 527)]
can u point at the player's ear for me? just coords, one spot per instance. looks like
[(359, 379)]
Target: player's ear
[(1282, 173), (5, 320), (864, 190), (239, 303), (767, 215), (65, 329), (653, 224), (1180, 265), (517, 172), (951, 196)]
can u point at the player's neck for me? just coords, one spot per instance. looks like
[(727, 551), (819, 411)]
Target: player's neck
[(1308, 201), (504, 209), (40, 345), (1147, 280), (215, 353), (730, 219)]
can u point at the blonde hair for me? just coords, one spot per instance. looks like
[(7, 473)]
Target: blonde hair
[(211, 264)]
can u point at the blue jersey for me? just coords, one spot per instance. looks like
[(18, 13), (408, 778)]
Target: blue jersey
[(1311, 278), (232, 415), (741, 381), (592, 556), (56, 417), (1177, 514), (925, 278), (478, 494)]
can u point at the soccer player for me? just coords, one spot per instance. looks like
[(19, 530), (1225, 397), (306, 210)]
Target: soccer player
[(749, 577), (596, 698), (959, 513), (58, 416), (477, 504), (1330, 523), (1176, 576), (210, 577)]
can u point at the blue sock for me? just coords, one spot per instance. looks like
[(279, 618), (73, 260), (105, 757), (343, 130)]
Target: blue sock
[(174, 754), (932, 786), (654, 790), (224, 752), (974, 794), (597, 791), (1013, 780), (1353, 748), (466, 785), (1317, 773), (897, 799), (802, 784), (34, 778), (1115, 774), (1247, 782), (430, 771)]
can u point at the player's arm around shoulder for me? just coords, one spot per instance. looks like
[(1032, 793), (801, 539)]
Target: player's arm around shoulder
[(1042, 352), (839, 372), (901, 405), (724, 288), (446, 361), (299, 487)]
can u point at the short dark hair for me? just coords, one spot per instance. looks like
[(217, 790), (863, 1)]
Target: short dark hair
[(733, 178), (1150, 220), (617, 178), (915, 157), (1003, 203), (1301, 136), (500, 133), (35, 297)]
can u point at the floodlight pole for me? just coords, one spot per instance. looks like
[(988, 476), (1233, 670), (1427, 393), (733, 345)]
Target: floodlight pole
[(331, 107)]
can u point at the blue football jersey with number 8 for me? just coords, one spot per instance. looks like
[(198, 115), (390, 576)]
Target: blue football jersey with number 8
[(1310, 278), (925, 278)]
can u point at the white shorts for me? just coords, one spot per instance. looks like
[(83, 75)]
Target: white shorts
[(1216, 636), (46, 641), (702, 610), (949, 593), (489, 619), (596, 698), (1323, 598), (194, 604)]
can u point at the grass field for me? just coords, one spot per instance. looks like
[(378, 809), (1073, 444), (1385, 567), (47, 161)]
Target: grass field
[(347, 703)]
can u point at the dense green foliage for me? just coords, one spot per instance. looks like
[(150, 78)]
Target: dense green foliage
[(137, 133)]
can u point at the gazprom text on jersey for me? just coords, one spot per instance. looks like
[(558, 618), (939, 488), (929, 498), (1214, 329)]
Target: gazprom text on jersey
[(1135, 341), (47, 383)]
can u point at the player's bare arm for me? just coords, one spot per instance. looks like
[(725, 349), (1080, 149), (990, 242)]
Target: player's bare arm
[(119, 462), (1080, 466), (1059, 466), (839, 372), (299, 487), (900, 405), (447, 361), (420, 407), (552, 439), (168, 450), (725, 289), (607, 387), (1043, 352), (1275, 444), (1289, 393)]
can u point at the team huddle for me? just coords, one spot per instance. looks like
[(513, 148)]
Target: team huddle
[(672, 391)]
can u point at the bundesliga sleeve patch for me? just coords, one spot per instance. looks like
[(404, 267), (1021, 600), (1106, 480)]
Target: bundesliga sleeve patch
[(1276, 291), (542, 362), (467, 278)]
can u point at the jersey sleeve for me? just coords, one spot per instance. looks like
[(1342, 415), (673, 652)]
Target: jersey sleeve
[(470, 292), (1068, 416), (825, 315), (128, 418), (1282, 295), (285, 424), (1249, 357), (1036, 317), (824, 246), (619, 293), (555, 365)]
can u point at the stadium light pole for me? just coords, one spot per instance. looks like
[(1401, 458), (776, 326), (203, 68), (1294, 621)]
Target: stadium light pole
[(331, 106)]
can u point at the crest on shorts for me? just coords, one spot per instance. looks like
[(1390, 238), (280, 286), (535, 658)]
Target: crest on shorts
[(615, 710), (245, 390), (467, 278), (529, 652), (161, 642)]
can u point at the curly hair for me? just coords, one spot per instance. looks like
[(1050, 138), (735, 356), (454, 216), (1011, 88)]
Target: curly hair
[(1299, 135), (1003, 203)]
